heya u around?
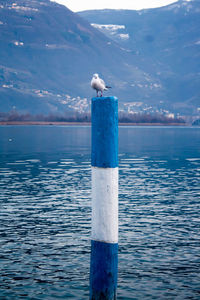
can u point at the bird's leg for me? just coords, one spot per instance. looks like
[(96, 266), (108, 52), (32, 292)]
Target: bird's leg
[(97, 94), (101, 94)]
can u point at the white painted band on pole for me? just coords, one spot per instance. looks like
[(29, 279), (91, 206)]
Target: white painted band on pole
[(105, 204)]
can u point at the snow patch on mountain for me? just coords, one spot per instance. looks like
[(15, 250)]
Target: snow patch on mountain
[(113, 29)]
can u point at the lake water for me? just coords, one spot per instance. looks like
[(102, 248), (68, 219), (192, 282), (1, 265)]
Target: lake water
[(45, 212)]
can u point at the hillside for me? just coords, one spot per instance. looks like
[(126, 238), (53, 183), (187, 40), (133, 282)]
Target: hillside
[(165, 42), (48, 55)]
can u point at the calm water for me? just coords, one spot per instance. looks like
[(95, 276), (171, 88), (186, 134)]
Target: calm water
[(45, 212)]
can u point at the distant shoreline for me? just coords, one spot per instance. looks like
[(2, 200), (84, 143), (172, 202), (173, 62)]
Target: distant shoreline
[(84, 123)]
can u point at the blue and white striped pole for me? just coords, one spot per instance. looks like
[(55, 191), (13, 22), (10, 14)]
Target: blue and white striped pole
[(104, 244)]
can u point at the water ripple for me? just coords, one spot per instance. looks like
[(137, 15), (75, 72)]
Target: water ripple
[(45, 221)]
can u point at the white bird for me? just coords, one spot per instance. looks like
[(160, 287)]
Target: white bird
[(99, 85)]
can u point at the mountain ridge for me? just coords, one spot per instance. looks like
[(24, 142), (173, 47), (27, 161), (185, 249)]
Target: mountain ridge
[(48, 55), (47, 50), (168, 50)]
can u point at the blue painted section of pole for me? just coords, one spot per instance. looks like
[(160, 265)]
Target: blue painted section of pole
[(104, 264), (104, 244), (105, 132)]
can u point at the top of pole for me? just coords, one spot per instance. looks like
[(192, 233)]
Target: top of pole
[(105, 132)]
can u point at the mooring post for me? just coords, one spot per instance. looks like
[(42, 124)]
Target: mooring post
[(104, 243)]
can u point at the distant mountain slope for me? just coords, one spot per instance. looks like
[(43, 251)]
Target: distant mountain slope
[(165, 42), (48, 55)]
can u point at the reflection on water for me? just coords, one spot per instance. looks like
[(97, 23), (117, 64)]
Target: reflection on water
[(45, 202)]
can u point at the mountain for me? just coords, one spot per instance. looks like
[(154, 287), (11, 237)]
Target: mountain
[(48, 55), (166, 44)]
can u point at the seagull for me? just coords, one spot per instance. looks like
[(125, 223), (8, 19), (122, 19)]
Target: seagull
[(99, 85)]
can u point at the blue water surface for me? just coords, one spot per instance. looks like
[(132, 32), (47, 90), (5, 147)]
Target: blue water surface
[(45, 212)]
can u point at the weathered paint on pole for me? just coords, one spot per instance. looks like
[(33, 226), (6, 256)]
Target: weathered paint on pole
[(104, 244)]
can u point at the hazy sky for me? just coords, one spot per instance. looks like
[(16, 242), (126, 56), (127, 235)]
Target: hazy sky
[(77, 5)]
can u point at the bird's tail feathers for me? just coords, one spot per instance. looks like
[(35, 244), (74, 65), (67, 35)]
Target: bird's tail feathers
[(108, 87)]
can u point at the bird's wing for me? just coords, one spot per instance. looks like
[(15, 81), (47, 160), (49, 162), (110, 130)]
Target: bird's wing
[(102, 82)]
